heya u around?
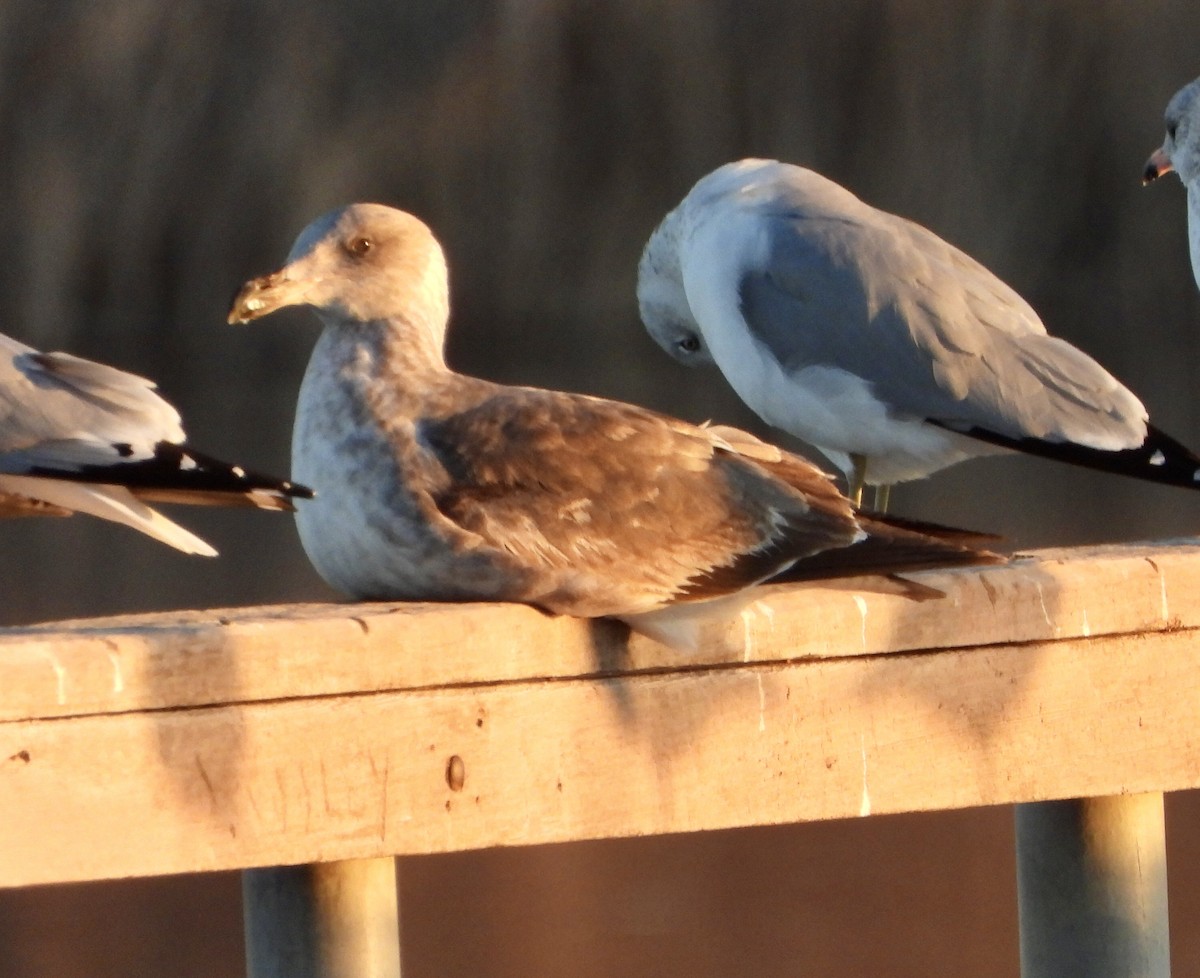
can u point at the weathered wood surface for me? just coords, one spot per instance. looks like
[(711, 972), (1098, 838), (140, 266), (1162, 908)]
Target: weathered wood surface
[(253, 654), (287, 735)]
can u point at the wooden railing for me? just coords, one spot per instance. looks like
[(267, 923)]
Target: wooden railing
[(331, 738)]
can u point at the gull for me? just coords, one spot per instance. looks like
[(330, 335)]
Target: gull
[(874, 340), (1180, 152), (80, 436), (438, 486)]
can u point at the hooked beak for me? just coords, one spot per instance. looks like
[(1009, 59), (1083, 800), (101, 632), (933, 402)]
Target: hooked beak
[(263, 295), (1156, 166)]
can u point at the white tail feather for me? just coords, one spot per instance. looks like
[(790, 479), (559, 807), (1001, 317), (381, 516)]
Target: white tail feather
[(682, 626), (115, 503)]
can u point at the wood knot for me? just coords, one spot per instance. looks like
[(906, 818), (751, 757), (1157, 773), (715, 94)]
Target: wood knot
[(456, 773)]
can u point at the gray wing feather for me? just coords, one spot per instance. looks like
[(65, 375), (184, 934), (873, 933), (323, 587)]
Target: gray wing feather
[(936, 333), (57, 397), (62, 455)]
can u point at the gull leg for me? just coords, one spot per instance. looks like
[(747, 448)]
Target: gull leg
[(858, 479), (883, 496)]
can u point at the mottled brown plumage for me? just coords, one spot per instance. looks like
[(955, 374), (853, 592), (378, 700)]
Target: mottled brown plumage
[(432, 485)]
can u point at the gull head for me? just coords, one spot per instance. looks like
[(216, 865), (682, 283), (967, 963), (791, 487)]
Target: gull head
[(1180, 151), (662, 299), (357, 264)]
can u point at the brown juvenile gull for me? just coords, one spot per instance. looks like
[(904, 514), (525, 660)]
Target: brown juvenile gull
[(1180, 152), (79, 436), (437, 486), (874, 340)]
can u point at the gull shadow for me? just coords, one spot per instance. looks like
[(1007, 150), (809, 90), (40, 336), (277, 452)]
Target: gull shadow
[(200, 738), (611, 659)]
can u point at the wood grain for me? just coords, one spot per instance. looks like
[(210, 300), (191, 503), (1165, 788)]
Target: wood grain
[(276, 736), (249, 655), (338, 777)]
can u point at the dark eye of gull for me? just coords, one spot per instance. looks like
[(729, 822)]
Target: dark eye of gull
[(1171, 131), (690, 343), (359, 246)]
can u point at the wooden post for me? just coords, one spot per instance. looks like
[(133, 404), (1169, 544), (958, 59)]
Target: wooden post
[(1092, 888), (324, 920)]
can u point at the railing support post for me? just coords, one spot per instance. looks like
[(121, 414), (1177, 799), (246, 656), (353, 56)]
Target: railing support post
[(1092, 888), (324, 920)]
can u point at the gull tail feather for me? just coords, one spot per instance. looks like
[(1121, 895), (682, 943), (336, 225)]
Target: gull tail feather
[(1160, 458), (894, 545), (252, 498), (682, 626), (114, 503)]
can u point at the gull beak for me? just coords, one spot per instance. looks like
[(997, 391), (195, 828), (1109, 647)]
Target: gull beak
[(263, 295), (1158, 164)]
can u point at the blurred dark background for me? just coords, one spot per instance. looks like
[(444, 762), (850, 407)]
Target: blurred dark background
[(155, 155)]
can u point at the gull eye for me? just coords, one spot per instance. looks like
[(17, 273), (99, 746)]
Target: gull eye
[(359, 246), (1171, 131), (689, 343)]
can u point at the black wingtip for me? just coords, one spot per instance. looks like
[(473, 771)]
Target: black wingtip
[(177, 467), (1160, 458), (235, 477)]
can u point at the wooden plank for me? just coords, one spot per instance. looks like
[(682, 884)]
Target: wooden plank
[(259, 654), (368, 775), (1092, 888)]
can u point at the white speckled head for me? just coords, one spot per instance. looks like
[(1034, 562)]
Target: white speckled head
[(358, 264)]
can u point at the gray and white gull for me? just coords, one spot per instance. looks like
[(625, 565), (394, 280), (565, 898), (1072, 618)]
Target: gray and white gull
[(80, 436), (1180, 152), (874, 340), (437, 486)]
